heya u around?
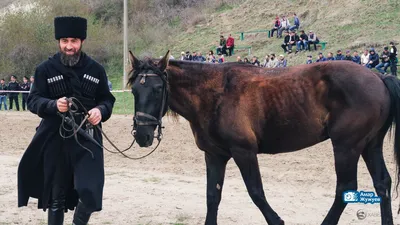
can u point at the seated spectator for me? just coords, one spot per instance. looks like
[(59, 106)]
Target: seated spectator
[(273, 61), (309, 59), (255, 61), (246, 60), (238, 59), (373, 59), (284, 26), (194, 56), (289, 41), (221, 58), (321, 58), (296, 23), (277, 26), (302, 44), (385, 61), (282, 62), (200, 57), (312, 39), (222, 45), (356, 58), (211, 57), (182, 56), (348, 56), (365, 57), (266, 60), (339, 55), (230, 44), (188, 56), (330, 57)]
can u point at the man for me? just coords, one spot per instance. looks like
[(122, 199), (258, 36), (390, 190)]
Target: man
[(321, 58), (289, 41), (25, 86), (302, 44), (222, 45), (373, 59), (356, 58), (348, 56), (365, 58), (385, 61), (339, 55), (393, 59), (13, 85), (296, 23), (3, 95), (57, 170), (312, 40), (230, 44)]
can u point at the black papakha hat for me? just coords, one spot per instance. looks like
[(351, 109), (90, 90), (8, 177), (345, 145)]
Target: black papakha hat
[(70, 27)]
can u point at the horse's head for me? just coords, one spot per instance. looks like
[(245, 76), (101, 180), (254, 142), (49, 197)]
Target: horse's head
[(149, 87)]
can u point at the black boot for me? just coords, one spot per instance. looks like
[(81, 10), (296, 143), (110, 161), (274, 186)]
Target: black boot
[(55, 214), (81, 215)]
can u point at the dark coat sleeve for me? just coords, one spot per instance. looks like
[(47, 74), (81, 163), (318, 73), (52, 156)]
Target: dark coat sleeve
[(104, 99), (39, 101)]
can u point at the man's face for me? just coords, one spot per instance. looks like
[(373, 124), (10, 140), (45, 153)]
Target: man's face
[(12, 79), (70, 46)]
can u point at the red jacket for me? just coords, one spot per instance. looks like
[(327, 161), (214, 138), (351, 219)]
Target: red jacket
[(230, 41)]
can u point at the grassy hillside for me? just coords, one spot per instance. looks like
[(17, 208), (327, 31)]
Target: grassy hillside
[(344, 24)]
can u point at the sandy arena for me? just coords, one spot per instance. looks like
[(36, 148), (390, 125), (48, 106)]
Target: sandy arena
[(168, 187)]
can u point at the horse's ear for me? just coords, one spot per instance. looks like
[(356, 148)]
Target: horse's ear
[(163, 63), (134, 61)]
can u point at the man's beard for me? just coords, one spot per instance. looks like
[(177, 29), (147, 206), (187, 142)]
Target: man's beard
[(70, 60)]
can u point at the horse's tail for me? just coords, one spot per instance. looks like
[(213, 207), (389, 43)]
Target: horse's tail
[(393, 86)]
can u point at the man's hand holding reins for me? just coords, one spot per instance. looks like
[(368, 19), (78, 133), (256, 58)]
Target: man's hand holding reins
[(94, 116), (62, 104)]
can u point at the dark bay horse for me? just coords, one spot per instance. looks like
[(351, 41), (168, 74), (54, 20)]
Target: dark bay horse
[(238, 111)]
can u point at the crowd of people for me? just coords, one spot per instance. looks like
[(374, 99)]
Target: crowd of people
[(369, 58), (14, 85)]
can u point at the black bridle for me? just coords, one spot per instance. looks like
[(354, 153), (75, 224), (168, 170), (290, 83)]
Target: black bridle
[(140, 119)]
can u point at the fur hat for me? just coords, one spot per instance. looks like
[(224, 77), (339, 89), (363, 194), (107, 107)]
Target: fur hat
[(70, 27)]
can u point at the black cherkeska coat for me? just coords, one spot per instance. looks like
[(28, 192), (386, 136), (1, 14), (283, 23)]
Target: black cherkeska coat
[(84, 175)]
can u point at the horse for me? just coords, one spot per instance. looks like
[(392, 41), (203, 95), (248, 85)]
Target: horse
[(238, 111)]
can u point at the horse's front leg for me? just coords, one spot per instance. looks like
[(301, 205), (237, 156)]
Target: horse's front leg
[(247, 162), (216, 165)]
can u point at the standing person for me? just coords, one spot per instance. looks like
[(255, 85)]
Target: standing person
[(393, 59), (57, 170), (25, 86), (13, 85), (3, 95)]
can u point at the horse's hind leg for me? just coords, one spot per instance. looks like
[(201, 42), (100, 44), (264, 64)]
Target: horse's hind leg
[(346, 159), (247, 162), (373, 158), (216, 166)]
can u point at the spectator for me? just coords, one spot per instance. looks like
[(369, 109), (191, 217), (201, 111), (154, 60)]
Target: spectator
[(282, 62), (222, 45), (182, 56), (211, 57), (284, 26), (302, 44), (356, 58), (289, 41), (373, 59), (385, 61), (312, 39), (266, 60), (296, 23), (200, 57), (330, 57), (393, 59), (339, 55), (188, 56), (277, 26), (230, 44), (309, 59), (221, 58), (273, 61), (3, 95), (194, 56), (365, 58), (13, 85), (246, 60), (25, 86), (348, 56), (255, 61), (321, 58), (238, 59)]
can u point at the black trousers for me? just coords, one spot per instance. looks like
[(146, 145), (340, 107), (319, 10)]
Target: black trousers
[(393, 67), (24, 100), (15, 99)]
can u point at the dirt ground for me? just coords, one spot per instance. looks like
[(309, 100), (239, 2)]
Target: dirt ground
[(168, 187)]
